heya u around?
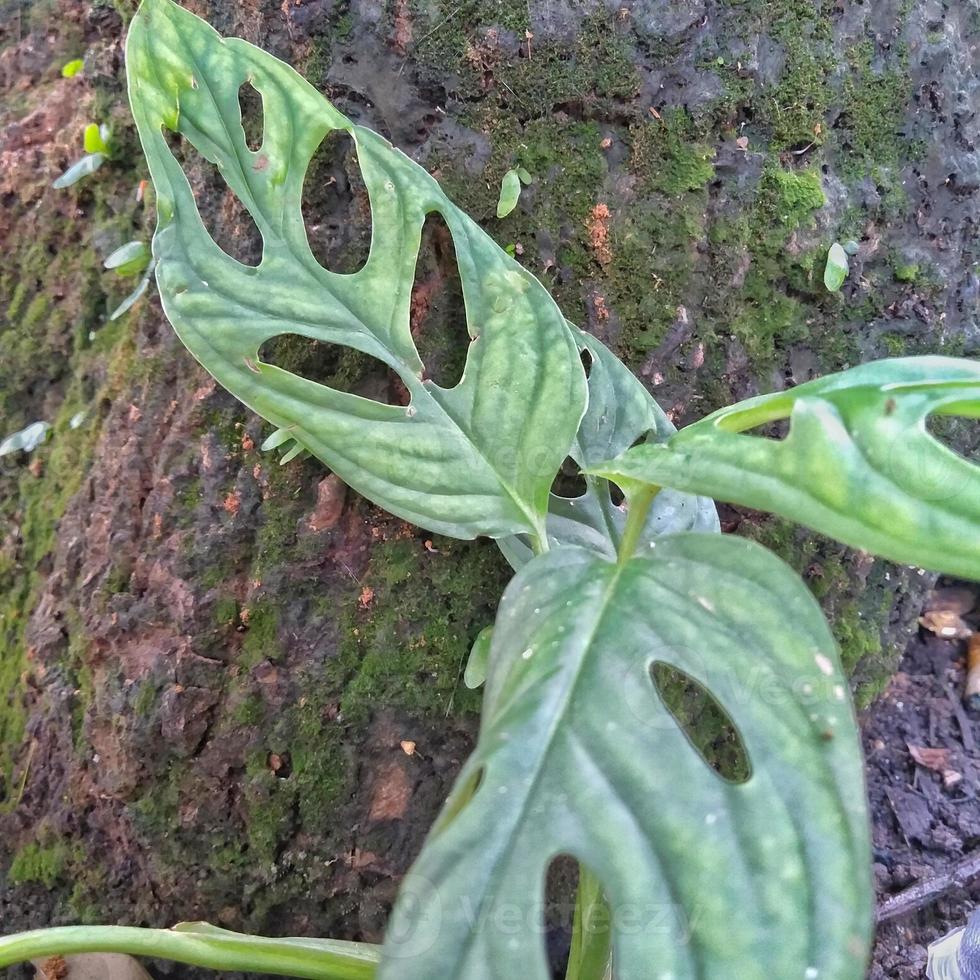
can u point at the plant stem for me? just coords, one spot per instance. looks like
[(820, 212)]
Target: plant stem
[(639, 507), (216, 949), (589, 957)]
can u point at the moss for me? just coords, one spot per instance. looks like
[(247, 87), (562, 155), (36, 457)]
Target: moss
[(906, 272), (43, 864), (795, 108), (874, 100), (789, 197), (408, 648), (146, 699), (261, 639), (667, 156)]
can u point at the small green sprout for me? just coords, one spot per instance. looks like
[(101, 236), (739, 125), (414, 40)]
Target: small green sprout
[(27, 440), (72, 68), (837, 268), (96, 141), (510, 190), (130, 260)]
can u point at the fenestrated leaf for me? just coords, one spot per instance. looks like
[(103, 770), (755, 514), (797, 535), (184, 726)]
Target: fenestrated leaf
[(859, 463), (577, 755), (620, 412), (475, 459)]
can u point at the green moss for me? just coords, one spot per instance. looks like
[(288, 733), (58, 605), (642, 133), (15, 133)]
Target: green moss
[(789, 197), (874, 100), (408, 648), (906, 272), (795, 108), (667, 156), (146, 699), (261, 640), (43, 864)]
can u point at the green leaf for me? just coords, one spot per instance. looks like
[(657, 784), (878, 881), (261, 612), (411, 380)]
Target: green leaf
[(81, 168), (479, 660), (837, 268), (95, 139), (134, 297), (26, 440), (475, 459), (510, 193), (859, 463), (129, 259), (72, 68), (200, 944), (578, 755), (620, 412)]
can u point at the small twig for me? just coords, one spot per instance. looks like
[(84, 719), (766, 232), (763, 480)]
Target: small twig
[(924, 893)]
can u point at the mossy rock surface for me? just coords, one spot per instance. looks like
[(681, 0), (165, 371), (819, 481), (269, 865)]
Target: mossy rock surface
[(210, 663)]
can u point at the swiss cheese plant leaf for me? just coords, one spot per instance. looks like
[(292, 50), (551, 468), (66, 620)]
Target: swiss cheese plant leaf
[(578, 755), (478, 458), (621, 411), (859, 463)]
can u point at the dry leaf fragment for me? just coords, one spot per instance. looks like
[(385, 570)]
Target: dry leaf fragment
[(408, 747), (937, 760), (742, 142), (946, 624)]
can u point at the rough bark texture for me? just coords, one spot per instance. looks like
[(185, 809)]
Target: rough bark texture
[(208, 664)]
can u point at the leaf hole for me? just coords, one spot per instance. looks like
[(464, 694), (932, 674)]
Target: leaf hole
[(775, 431), (333, 365), (585, 356), (561, 886), (438, 313), (226, 219), (253, 115), (336, 208), (569, 482), (704, 721), (616, 494)]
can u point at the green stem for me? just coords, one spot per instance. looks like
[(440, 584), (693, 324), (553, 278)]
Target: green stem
[(589, 958), (639, 507), (200, 945)]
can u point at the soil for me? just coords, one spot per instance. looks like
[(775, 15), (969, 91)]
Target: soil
[(209, 663)]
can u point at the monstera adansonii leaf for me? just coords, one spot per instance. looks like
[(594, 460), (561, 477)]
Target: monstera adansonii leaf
[(859, 463), (578, 755), (620, 413), (478, 458)]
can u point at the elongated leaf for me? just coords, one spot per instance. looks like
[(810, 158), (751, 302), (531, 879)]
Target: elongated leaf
[(475, 459), (578, 755), (620, 412), (859, 463), (510, 193), (129, 259), (835, 272), (201, 944), (79, 169)]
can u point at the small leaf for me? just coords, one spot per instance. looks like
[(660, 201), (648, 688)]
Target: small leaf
[(134, 297), (837, 268), (479, 659), (71, 69), (858, 464), (27, 440), (578, 755), (129, 259), (81, 168), (94, 140), (510, 193), (525, 177)]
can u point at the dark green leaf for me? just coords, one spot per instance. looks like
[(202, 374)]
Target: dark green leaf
[(764, 879), (475, 459), (859, 463)]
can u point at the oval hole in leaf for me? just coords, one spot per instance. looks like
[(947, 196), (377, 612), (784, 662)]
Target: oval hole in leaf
[(253, 116), (704, 721), (333, 365), (336, 208), (561, 881), (569, 483), (438, 314), (585, 355), (225, 217), (776, 430)]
